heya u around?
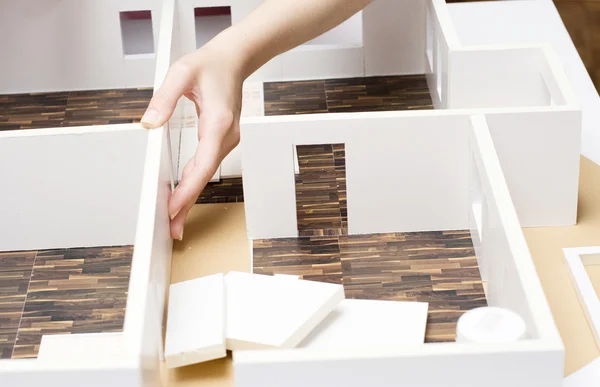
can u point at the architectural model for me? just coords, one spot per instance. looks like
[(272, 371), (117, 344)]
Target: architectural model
[(473, 142)]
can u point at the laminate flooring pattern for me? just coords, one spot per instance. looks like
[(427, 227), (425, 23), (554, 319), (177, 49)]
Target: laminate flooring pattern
[(81, 290), (348, 95), (77, 108), (15, 273), (321, 190), (435, 267)]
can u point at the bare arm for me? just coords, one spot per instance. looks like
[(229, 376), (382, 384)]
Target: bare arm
[(212, 78), (277, 26)]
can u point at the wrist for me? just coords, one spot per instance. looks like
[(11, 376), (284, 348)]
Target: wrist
[(235, 50)]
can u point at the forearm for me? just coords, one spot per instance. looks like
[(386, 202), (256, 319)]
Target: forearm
[(277, 26)]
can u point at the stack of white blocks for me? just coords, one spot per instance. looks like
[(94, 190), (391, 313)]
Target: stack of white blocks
[(239, 311)]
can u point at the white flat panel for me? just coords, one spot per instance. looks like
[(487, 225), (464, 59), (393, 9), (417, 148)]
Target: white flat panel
[(431, 365), (196, 321), (394, 37), (539, 153), (66, 190), (270, 312), (496, 78), (533, 21), (356, 324), (323, 62), (378, 146), (151, 266), (61, 32)]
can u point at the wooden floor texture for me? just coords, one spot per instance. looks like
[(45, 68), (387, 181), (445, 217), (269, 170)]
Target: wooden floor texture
[(77, 108), (435, 267), (63, 291), (407, 92)]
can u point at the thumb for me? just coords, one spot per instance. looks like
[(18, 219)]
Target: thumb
[(163, 102)]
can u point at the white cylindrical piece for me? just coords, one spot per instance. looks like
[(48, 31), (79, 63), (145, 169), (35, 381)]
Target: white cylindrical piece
[(490, 325)]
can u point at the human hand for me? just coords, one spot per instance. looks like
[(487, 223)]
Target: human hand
[(211, 78)]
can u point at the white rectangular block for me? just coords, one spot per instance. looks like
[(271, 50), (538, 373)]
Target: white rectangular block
[(271, 312), (196, 321), (356, 324)]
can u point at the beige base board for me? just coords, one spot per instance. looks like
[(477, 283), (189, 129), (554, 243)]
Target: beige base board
[(204, 252)]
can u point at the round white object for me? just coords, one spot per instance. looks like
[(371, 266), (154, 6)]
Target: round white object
[(490, 325)]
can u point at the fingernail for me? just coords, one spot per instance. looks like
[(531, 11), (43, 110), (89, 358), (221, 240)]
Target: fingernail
[(174, 215), (181, 234), (150, 117)]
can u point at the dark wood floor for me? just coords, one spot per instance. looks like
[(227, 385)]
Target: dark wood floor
[(407, 92), (435, 267), (77, 108), (63, 291), (321, 206)]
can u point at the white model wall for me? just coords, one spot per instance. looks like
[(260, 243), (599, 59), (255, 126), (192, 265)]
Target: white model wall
[(394, 37), (429, 365), (502, 253), (70, 190), (69, 45), (151, 267), (539, 153), (418, 162), (496, 78), (349, 32), (531, 22)]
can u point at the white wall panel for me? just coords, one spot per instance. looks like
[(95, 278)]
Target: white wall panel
[(70, 45), (418, 161), (70, 190), (394, 37)]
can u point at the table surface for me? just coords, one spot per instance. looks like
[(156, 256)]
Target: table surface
[(216, 241)]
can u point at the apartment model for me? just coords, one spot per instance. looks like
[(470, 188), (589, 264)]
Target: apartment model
[(499, 151)]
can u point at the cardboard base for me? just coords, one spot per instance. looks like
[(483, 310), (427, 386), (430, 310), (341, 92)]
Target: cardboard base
[(215, 241)]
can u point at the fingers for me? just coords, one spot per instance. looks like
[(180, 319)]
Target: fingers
[(165, 99), (196, 175), (178, 222)]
